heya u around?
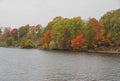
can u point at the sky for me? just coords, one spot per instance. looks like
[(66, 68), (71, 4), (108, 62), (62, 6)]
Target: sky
[(16, 13)]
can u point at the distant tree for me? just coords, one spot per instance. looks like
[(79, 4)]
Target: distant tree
[(65, 29), (10, 41), (46, 40), (111, 21), (14, 33), (23, 31), (27, 43), (52, 23), (6, 33), (37, 30), (91, 30), (78, 41)]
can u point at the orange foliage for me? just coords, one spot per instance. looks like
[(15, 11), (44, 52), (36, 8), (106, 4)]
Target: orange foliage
[(108, 36), (46, 38), (97, 30), (14, 32), (78, 42)]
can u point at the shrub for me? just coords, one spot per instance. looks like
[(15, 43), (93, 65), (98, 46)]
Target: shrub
[(10, 41), (27, 43)]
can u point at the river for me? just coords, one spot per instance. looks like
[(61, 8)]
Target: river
[(39, 65)]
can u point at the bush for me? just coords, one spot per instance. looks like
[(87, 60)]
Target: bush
[(10, 41), (27, 43)]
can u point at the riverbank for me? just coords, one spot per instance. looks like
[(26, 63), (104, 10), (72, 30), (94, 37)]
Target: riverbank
[(105, 52), (102, 50), (113, 50)]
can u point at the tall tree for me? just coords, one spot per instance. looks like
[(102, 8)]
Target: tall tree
[(78, 41), (64, 27), (111, 21), (46, 39), (14, 33), (23, 31)]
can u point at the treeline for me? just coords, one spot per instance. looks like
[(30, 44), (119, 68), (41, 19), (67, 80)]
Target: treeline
[(67, 33), (25, 37)]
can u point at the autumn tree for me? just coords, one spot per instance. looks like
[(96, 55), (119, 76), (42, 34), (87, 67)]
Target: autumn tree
[(14, 33), (23, 31), (91, 32), (6, 33), (51, 24), (111, 21), (9, 41), (27, 43), (46, 39), (78, 42), (65, 29), (37, 30)]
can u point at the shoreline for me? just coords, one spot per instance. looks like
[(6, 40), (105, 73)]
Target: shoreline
[(103, 52), (87, 51)]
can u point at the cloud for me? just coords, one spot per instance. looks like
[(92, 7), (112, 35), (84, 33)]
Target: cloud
[(20, 12), (1, 1)]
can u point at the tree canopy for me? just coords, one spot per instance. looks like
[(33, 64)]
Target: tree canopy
[(67, 33)]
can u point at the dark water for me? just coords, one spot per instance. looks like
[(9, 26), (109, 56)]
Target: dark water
[(38, 65)]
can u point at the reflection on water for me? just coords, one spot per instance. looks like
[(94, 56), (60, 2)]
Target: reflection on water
[(38, 65)]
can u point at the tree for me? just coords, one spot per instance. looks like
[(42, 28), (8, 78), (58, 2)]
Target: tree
[(78, 41), (10, 41), (117, 43), (52, 23), (37, 30), (6, 33), (14, 33), (65, 29), (46, 39), (27, 43), (111, 21), (91, 31), (52, 44), (23, 31)]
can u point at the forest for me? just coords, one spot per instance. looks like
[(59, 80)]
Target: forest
[(67, 34)]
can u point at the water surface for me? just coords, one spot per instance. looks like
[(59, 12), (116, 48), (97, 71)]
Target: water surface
[(38, 65)]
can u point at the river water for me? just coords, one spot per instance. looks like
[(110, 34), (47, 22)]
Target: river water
[(38, 65)]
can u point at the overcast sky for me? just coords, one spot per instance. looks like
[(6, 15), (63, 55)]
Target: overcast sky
[(15, 13)]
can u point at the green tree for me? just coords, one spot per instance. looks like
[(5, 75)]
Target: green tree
[(111, 21), (10, 41), (90, 32), (65, 29), (23, 31), (52, 23), (6, 33), (27, 43)]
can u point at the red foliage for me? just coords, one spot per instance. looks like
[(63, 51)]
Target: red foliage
[(96, 23), (37, 28), (46, 38), (78, 42), (14, 32), (41, 41), (97, 30)]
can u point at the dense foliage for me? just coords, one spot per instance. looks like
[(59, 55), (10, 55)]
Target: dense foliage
[(111, 22), (67, 33), (24, 37)]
